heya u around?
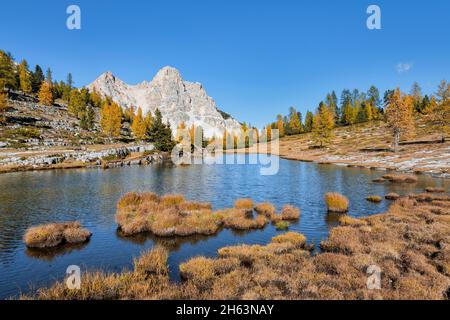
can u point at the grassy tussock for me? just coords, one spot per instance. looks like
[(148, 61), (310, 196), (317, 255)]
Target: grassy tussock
[(428, 197), (55, 234), (295, 238), (376, 199), (435, 190), (153, 262), (244, 204), (239, 219), (336, 202), (400, 178), (392, 196), (290, 213), (169, 215), (172, 215), (349, 221), (410, 244), (265, 208), (282, 225)]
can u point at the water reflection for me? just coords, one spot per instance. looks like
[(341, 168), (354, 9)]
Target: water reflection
[(90, 196)]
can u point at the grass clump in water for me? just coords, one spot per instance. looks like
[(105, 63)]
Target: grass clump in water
[(400, 178), (244, 204), (282, 225), (290, 213), (55, 234), (265, 208), (392, 196), (336, 202), (375, 199), (435, 190)]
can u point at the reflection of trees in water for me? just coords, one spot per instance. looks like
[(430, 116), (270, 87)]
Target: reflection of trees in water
[(170, 243), (49, 254)]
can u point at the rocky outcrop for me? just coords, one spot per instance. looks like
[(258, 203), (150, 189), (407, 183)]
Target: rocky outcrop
[(178, 100), (84, 157)]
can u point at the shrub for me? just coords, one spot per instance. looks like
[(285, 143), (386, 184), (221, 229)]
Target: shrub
[(55, 234), (336, 202), (265, 208), (375, 199), (392, 196), (290, 213), (282, 225)]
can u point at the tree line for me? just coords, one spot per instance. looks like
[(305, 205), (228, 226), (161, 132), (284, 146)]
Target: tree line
[(398, 109), (81, 103)]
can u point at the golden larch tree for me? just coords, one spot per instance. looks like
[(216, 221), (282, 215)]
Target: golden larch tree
[(399, 116), (138, 127), (45, 94), (3, 104), (323, 124), (111, 119), (25, 77)]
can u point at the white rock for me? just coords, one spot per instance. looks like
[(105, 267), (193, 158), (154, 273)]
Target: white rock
[(178, 100)]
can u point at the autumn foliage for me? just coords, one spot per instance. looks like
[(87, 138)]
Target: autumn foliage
[(45, 94), (111, 119)]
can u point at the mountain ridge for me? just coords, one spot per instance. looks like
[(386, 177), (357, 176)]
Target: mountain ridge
[(177, 99)]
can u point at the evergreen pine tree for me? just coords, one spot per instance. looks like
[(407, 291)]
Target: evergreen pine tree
[(161, 134), (37, 78), (309, 121)]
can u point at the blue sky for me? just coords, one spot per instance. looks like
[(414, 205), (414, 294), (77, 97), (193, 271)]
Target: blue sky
[(256, 58)]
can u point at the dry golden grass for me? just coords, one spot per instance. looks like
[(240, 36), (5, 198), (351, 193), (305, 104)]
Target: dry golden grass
[(349, 221), (295, 238), (55, 234), (282, 225), (239, 219), (400, 178), (289, 212), (375, 199), (265, 208), (153, 262), (435, 190), (392, 196), (172, 215), (410, 243), (244, 204), (336, 202), (172, 199)]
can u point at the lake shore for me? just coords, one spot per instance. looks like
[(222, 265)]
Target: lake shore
[(57, 158), (408, 247), (366, 146)]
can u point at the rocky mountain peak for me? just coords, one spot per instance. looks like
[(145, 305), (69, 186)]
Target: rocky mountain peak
[(177, 99)]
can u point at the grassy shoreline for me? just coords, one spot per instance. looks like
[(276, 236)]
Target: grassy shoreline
[(410, 243)]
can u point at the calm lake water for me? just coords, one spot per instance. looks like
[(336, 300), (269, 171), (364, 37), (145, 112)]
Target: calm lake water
[(90, 196)]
